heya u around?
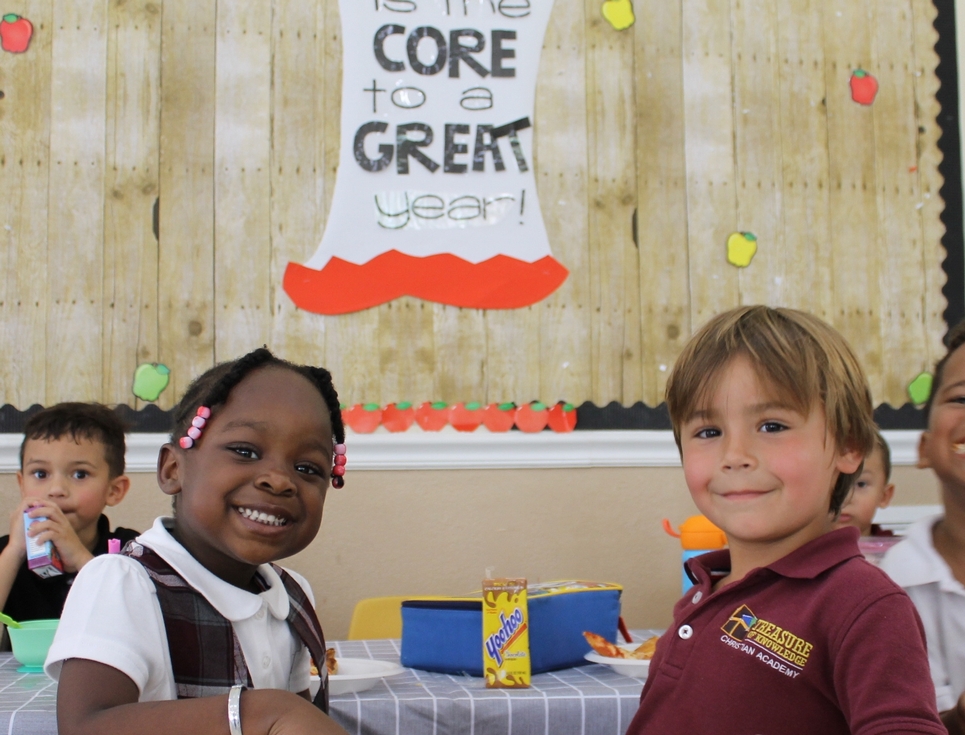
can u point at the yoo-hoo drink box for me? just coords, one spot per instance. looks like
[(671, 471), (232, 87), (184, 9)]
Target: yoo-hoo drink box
[(505, 631), (42, 559)]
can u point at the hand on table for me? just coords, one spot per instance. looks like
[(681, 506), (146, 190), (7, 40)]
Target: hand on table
[(56, 529)]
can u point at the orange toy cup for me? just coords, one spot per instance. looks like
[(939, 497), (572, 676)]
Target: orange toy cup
[(697, 536), (697, 533)]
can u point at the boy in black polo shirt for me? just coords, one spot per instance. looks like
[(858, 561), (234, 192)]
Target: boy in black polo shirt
[(790, 630), (71, 467)]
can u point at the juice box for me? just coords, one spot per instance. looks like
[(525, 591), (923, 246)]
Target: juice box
[(42, 559), (505, 619)]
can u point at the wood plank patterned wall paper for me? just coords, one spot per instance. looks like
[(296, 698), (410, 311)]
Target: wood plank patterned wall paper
[(705, 118)]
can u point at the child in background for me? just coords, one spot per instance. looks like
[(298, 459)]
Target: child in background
[(789, 630), (71, 468), (872, 490), (192, 628), (930, 563)]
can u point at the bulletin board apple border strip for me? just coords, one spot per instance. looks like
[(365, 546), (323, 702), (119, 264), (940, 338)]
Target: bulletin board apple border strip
[(588, 417)]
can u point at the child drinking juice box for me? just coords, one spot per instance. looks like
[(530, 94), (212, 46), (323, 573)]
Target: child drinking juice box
[(789, 630), (71, 468), (193, 628)]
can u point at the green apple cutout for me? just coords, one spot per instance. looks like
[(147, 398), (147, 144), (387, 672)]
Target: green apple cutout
[(619, 13), (920, 388), (150, 379), (741, 248)]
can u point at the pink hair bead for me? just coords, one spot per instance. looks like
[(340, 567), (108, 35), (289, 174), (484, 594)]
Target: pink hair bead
[(186, 442), (338, 470), (338, 482), (198, 422), (340, 460), (204, 412), (340, 449), (194, 432)]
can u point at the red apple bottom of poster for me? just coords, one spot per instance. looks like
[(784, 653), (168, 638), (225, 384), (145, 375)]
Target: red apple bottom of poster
[(501, 282)]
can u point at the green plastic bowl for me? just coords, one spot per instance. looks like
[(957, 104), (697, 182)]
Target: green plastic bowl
[(31, 642)]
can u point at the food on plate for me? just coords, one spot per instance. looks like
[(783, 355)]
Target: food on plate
[(330, 663), (644, 652)]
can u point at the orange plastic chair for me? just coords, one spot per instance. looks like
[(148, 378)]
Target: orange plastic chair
[(377, 617)]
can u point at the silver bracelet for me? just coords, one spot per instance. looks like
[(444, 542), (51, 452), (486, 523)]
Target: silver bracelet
[(234, 709)]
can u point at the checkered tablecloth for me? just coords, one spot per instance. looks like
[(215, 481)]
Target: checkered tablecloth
[(589, 700), (28, 702)]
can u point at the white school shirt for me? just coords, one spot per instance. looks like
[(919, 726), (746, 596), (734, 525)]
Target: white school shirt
[(940, 599), (112, 616)]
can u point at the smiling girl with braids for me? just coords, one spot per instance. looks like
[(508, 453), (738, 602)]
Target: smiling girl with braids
[(192, 628)]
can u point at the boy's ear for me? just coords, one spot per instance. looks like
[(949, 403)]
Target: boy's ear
[(924, 462), (20, 482), (887, 495), (117, 490), (169, 470), (850, 461)]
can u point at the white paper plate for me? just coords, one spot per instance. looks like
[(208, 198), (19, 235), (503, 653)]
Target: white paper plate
[(359, 674), (636, 668)]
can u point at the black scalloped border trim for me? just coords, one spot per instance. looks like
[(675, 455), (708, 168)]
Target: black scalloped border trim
[(639, 416), (149, 419), (951, 165)]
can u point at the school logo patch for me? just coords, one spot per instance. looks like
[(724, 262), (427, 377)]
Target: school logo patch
[(771, 644), (740, 623)]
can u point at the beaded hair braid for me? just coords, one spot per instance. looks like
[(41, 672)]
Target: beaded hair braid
[(213, 387)]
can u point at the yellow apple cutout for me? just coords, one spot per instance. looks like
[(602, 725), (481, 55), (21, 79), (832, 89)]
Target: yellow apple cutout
[(619, 13), (741, 248)]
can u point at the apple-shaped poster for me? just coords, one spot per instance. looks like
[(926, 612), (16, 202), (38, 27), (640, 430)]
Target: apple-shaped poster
[(435, 195), (15, 33), (432, 416), (864, 87), (363, 418), (150, 379), (499, 416), (532, 417), (466, 416), (398, 417)]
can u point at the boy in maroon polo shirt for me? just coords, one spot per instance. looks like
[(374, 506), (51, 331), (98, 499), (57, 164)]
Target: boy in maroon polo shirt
[(790, 630)]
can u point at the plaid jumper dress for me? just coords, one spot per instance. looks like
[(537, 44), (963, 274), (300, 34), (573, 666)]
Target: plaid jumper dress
[(206, 656)]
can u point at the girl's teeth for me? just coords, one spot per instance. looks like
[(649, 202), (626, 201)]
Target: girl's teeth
[(959, 448), (259, 517)]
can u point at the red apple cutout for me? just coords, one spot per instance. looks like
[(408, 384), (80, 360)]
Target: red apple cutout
[(562, 417), (466, 416), (499, 416), (864, 87), (532, 417), (432, 416), (15, 33), (398, 416), (363, 418)]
